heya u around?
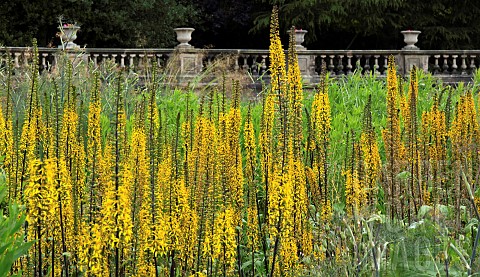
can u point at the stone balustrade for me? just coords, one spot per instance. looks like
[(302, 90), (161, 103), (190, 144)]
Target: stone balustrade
[(449, 65)]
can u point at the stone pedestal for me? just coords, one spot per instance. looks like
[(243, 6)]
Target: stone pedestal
[(409, 57), (419, 61), (189, 64), (306, 62), (188, 60)]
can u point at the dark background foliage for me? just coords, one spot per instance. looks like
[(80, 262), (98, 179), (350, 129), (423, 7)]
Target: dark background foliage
[(331, 24)]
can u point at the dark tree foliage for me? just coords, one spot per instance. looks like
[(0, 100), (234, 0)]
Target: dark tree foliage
[(445, 24), (227, 24), (331, 24), (104, 23), (376, 24)]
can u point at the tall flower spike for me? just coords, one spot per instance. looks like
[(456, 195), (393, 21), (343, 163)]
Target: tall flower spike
[(394, 150), (277, 56), (370, 155)]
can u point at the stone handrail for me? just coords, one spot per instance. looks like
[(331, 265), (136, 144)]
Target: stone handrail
[(449, 65)]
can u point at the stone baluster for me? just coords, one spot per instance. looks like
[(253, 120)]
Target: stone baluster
[(44, 61), (141, 61), (376, 67), (383, 67), (241, 62), (367, 64), (255, 68), (150, 60), (208, 60), (246, 66), (340, 65), (122, 60), (263, 67), (95, 60), (26, 56), (236, 66), (15, 59), (162, 60), (436, 66), (358, 62), (349, 64), (105, 57), (313, 69), (464, 65), (130, 60), (323, 59), (114, 58), (213, 57), (454, 64), (331, 67), (445, 64), (473, 67)]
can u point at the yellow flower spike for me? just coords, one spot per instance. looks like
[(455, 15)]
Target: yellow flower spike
[(94, 149), (394, 148), (354, 193), (372, 165), (320, 120), (277, 56), (225, 240), (250, 146), (370, 157), (434, 136)]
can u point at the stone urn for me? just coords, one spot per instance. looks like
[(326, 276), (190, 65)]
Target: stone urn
[(410, 37), (299, 38), (68, 35), (184, 35)]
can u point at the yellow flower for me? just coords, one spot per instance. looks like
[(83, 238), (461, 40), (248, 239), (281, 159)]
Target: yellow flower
[(277, 56), (225, 240)]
